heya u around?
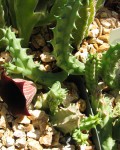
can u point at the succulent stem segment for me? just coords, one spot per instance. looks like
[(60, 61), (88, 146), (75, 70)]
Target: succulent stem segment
[(62, 39), (86, 124), (111, 67), (24, 64), (106, 68), (83, 20)]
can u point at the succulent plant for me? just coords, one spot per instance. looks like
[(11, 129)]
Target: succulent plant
[(52, 99), (110, 67), (24, 64), (86, 124)]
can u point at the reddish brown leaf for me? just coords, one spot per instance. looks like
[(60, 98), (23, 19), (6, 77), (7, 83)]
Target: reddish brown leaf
[(17, 93)]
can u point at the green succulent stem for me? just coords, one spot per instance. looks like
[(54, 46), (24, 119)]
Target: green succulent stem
[(24, 64), (62, 37), (110, 67)]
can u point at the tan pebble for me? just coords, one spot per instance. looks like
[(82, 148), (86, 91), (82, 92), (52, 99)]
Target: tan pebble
[(21, 143), (29, 127), (47, 57), (100, 42), (100, 30), (2, 61), (81, 105), (95, 46), (46, 140), (103, 47), (23, 120), (1, 133), (104, 38), (92, 50), (106, 31), (33, 145), (35, 114), (19, 134), (6, 56), (36, 124), (94, 24), (97, 21), (3, 122), (105, 23), (92, 40), (9, 141), (48, 67)]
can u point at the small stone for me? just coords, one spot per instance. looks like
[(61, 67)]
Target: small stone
[(48, 67), (98, 22), (9, 141), (34, 145), (2, 122), (11, 148), (106, 30), (47, 57), (1, 133), (46, 139), (103, 47), (100, 42), (35, 114), (95, 46), (104, 38), (29, 127), (92, 40), (100, 30), (19, 134), (93, 33), (23, 120), (35, 135), (105, 23), (20, 143), (6, 56)]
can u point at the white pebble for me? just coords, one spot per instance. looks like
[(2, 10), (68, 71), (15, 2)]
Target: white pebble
[(19, 134), (9, 141), (34, 145), (20, 143), (34, 135), (47, 57), (35, 114)]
